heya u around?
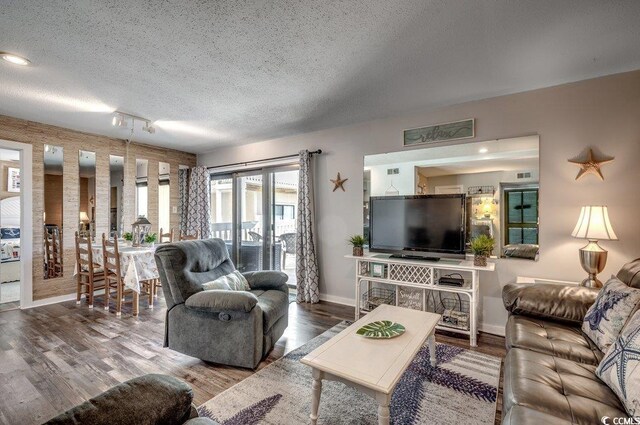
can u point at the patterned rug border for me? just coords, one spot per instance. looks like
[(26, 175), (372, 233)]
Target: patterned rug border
[(293, 354)]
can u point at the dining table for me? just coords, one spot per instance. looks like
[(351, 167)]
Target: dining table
[(137, 264)]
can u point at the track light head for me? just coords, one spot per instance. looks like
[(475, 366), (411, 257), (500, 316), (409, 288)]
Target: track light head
[(119, 120), (148, 127)]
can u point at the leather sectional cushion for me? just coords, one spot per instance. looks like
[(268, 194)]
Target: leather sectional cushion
[(557, 387), (565, 304), (630, 273), (566, 342), (519, 415)]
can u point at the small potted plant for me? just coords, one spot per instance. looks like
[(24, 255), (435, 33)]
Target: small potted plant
[(481, 246), (150, 239), (128, 236), (357, 241)]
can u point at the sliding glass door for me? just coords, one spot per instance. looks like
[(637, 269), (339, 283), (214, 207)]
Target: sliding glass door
[(254, 212), (253, 230)]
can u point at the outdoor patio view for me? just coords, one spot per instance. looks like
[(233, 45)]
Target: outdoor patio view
[(254, 241)]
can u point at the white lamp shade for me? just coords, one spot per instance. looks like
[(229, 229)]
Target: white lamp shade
[(84, 217), (594, 223)]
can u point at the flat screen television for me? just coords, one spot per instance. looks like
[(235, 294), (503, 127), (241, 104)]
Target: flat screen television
[(425, 223)]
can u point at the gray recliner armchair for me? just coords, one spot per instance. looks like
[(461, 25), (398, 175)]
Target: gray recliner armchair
[(236, 328)]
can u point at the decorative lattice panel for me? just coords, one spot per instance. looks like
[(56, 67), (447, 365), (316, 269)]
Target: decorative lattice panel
[(410, 274)]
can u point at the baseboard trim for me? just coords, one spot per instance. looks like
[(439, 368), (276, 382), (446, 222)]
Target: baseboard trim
[(492, 329), (49, 301), (337, 300)]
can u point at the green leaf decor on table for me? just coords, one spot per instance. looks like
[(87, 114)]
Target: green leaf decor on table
[(381, 329)]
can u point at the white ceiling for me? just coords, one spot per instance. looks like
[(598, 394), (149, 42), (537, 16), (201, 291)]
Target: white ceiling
[(222, 72)]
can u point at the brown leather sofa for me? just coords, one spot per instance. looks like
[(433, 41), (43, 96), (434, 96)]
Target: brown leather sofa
[(549, 370)]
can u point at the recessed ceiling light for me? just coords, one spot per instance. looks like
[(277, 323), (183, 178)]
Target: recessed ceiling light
[(14, 59), (483, 150)]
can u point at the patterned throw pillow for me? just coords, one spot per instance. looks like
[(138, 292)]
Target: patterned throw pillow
[(620, 367), (234, 281), (606, 317)]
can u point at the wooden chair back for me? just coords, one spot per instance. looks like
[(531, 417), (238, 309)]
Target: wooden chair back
[(111, 259), (53, 255), (48, 258), (165, 237), (187, 237), (84, 255)]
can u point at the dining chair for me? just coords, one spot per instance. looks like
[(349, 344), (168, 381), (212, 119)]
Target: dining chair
[(48, 258), (90, 275), (53, 257), (289, 241), (114, 277), (187, 237), (168, 236), (256, 237)]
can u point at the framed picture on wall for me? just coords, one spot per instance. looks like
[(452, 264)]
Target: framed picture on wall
[(13, 179)]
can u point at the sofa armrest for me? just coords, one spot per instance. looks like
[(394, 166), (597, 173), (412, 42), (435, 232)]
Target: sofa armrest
[(219, 300), (148, 399), (267, 279), (566, 304)]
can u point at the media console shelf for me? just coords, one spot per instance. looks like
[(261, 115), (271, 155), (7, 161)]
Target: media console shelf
[(416, 286)]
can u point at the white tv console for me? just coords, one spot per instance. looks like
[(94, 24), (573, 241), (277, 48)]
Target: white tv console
[(422, 275)]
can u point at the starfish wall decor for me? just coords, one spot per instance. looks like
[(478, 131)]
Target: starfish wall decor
[(338, 183), (590, 165)]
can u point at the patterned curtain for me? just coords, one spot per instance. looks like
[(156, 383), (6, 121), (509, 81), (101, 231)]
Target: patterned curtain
[(306, 259), (199, 202), (183, 189)]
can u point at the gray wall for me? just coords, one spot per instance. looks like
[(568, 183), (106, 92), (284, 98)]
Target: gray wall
[(602, 113)]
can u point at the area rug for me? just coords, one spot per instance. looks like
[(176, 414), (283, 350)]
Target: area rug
[(461, 389)]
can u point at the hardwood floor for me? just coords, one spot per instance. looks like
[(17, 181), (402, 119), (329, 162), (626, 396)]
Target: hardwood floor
[(57, 356)]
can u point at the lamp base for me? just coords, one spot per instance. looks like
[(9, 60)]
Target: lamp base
[(592, 259), (591, 282)]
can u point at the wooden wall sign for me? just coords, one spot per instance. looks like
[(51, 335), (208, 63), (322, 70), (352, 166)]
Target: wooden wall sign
[(440, 132), (410, 297)]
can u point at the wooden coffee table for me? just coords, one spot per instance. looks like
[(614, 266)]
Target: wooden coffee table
[(372, 366)]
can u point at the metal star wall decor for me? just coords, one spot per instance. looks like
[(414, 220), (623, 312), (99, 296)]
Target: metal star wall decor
[(590, 165), (338, 183)]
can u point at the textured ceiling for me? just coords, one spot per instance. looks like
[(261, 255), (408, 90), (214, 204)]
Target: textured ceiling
[(214, 73)]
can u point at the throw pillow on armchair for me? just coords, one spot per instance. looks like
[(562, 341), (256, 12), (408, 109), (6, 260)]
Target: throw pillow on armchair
[(607, 316)]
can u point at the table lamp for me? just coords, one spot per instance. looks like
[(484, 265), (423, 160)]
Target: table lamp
[(84, 218), (593, 224)]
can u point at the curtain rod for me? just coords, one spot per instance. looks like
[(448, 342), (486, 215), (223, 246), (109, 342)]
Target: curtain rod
[(316, 152)]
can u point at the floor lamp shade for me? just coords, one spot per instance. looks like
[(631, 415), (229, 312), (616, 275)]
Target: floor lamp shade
[(594, 225)]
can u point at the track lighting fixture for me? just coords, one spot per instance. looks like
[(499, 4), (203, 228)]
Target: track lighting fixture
[(121, 120)]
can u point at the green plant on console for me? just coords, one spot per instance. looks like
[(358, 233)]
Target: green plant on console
[(150, 238), (128, 236), (357, 241), (482, 245)]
